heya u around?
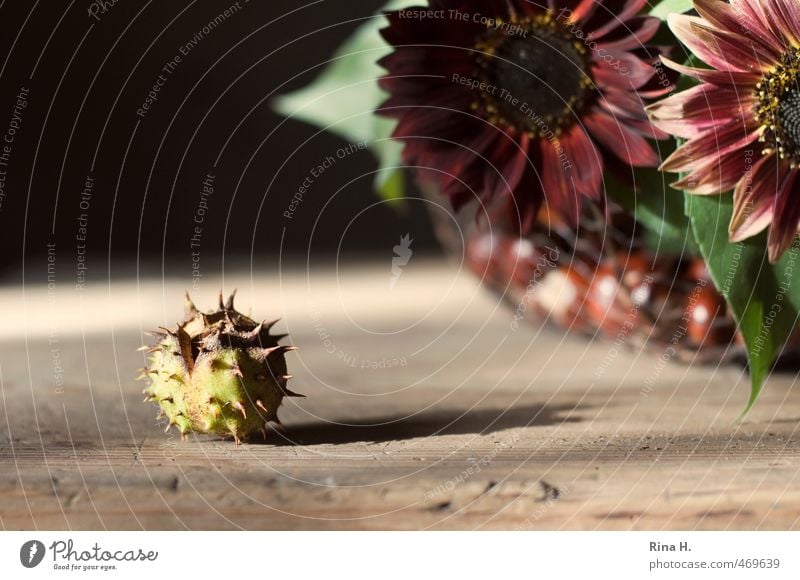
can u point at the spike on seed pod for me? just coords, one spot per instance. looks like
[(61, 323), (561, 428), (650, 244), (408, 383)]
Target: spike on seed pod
[(256, 332), (229, 303), (289, 393), (218, 373), (238, 405), (189, 307)]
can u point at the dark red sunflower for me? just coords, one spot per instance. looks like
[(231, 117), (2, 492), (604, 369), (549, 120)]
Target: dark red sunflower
[(742, 122), (523, 102)]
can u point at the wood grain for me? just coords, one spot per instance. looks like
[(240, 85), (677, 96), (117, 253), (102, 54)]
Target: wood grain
[(481, 427)]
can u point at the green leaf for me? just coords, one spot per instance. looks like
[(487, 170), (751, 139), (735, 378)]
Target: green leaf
[(667, 7), (657, 207), (345, 95), (392, 184), (764, 298)]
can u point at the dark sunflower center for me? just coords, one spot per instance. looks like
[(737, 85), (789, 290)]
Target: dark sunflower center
[(778, 108), (789, 116), (535, 74)]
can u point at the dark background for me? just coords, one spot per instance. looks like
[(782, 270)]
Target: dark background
[(87, 79)]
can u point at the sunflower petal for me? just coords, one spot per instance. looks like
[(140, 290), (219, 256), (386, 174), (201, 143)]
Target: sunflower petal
[(783, 230), (621, 141), (721, 50), (638, 31), (716, 77), (754, 21), (753, 199), (559, 190), (693, 111), (783, 16), (587, 162), (717, 141), (717, 175)]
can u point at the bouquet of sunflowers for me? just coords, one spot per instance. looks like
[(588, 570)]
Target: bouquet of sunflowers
[(618, 168)]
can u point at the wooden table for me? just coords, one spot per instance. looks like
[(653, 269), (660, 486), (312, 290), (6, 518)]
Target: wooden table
[(425, 410)]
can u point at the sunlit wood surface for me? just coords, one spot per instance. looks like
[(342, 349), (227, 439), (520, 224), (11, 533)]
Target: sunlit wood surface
[(425, 409)]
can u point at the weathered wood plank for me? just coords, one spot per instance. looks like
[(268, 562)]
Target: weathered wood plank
[(483, 427)]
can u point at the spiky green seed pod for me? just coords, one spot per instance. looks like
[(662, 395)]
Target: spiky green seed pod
[(219, 373)]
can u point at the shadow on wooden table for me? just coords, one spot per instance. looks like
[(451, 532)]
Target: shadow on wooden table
[(445, 422)]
